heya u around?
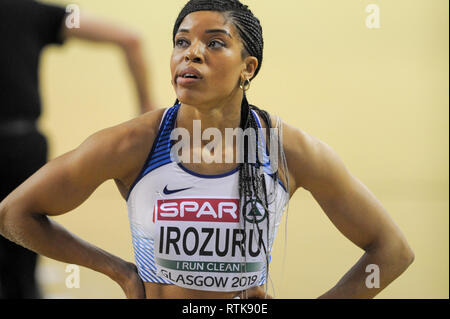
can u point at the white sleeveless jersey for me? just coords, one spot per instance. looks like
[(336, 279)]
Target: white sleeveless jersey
[(191, 230)]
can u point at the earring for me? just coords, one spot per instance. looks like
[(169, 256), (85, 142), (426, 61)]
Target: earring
[(245, 86)]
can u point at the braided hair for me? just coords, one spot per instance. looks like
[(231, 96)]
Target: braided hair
[(252, 184)]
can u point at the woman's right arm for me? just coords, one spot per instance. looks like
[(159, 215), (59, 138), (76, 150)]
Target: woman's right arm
[(62, 185)]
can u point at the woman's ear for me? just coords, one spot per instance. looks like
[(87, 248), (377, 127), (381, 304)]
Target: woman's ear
[(251, 64)]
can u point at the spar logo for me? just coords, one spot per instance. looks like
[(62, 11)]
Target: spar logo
[(254, 211), (198, 209)]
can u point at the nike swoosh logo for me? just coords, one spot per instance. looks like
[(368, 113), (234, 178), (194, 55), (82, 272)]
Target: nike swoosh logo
[(168, 192)]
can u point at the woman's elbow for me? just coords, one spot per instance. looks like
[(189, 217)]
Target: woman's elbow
[(408, 255), (3, 211), (394, 248), (12, 221), (402, 253), (401, 247)]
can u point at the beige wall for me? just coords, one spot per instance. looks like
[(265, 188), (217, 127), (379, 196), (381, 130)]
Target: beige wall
[(379, 97)]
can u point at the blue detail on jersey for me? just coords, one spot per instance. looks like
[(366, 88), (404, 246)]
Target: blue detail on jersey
[(266, 159), (209, 176), (145, 256)]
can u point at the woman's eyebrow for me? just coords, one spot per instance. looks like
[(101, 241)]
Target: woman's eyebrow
[(219, 31), (208, 31)]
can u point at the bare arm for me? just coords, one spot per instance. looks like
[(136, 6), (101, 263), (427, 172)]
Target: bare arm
[(97, 30), (60, 186), (354, 210)]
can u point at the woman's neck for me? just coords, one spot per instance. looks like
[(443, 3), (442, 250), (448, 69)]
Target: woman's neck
[(220, 114)]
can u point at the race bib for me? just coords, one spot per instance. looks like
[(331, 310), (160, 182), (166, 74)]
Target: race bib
[(205, 244)]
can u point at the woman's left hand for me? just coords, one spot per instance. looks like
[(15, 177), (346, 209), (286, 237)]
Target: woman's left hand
[(131, 284)]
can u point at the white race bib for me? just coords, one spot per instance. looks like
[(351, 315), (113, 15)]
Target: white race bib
[(201, 243)]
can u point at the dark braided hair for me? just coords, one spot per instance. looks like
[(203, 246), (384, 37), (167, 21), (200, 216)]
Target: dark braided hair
[(252, 184)]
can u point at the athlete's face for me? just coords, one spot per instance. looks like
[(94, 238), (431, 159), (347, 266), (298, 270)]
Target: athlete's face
[(211, 45)]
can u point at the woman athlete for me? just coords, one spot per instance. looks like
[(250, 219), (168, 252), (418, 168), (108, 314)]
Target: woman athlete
[(204, 229)]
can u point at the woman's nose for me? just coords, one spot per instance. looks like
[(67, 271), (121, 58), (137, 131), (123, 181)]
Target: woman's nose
[(194, 54)]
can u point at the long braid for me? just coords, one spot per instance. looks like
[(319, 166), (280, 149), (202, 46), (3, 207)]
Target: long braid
[(252, 183)]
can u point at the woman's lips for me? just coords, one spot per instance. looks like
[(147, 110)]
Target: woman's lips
[(187, 81)]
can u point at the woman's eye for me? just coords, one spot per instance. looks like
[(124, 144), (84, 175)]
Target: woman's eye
[(181, 42), (216, 44)]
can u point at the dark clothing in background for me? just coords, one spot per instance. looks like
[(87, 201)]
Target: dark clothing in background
[(26, 27), (21, 157)]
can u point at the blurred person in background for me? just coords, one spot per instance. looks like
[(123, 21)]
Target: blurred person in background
[(27, 27)]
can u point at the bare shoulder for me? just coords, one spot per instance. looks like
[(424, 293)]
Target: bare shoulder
[(309, 159), (127, 145), (138, 131)]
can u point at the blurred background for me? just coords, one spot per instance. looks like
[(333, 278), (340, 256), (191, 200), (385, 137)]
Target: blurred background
[(378, 96)]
